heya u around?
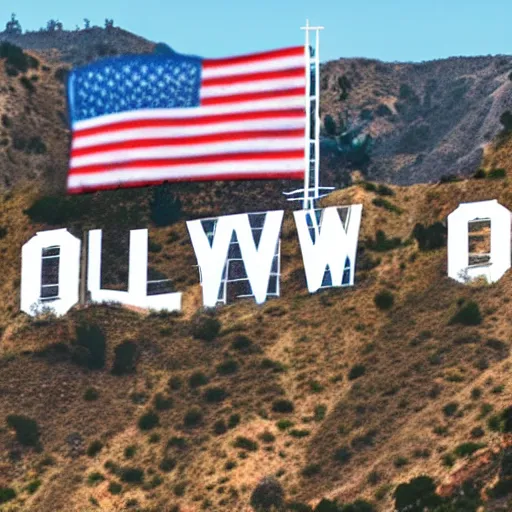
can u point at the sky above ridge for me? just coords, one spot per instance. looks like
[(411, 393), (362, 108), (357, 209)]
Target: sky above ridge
[(389, 30)]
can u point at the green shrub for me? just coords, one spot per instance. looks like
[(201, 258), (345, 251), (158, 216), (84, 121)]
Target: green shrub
[(227, 367), (267, 495), (215, 394), (506, 464), (26, 82), (6, 494), (198, 379), (205, 327), (162, 403), (132, 475), (282, 406), (320, 411), (506, 120), (130, 451), (193, 417), (175, 383), (477, 432), (480, 174), (58, 210), (125, 358), (382, 243), (177, 442), (431, 237), (384, 300), (356, 371), (33, 486), (450, 409), (418, 494), (27, 431), (468, 314), (269, 364), (496, 174), (384, 203), (384, 190), (167, 465), (16, 58), (233, 420), (299, 433), (95, 478), (466, 449), (148, 421), (91, 394), (267, 437), (219, 427), (342, 455), (115, 488), (91, 345), (94, 448), (311, 470), (242, 343), (245, 443), (448, 178)]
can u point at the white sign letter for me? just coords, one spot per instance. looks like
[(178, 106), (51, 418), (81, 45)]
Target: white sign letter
[(458, 249), (137, 276), (50, 272), (325, 241), (258, 261)]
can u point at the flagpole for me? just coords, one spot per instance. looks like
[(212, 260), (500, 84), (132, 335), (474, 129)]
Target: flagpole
[(312, 138), (307, 177)]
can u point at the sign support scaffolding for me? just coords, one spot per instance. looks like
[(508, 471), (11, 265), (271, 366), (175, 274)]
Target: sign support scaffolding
[(311, 191)]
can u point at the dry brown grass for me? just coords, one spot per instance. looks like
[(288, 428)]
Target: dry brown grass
[(388, 412)]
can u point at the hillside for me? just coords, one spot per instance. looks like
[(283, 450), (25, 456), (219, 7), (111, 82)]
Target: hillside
[(378, 396)]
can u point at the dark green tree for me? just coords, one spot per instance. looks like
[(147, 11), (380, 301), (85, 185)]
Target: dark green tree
[(506, 121), (417, 495)]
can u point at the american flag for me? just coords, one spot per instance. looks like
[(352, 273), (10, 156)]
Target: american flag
[(145, 119)]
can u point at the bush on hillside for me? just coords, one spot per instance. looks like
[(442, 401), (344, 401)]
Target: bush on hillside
[(417, 494), (148, 420), (54, 210), (6, 494), (266, 495), (16, 59), (282, 406), (430, 237), (215, 394), (384, 300), (27, 430), (382, 243), (89, 347), (193, 417), (497, 174), (205, 327), (468, 314), (125, 358), (506, 120)]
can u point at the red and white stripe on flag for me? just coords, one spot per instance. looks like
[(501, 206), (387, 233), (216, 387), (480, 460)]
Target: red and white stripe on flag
[(249, 124)]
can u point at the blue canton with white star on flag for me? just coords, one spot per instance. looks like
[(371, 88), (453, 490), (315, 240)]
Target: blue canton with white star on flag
[(120, 84)]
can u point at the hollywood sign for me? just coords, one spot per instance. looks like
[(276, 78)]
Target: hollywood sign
[(249, 244)]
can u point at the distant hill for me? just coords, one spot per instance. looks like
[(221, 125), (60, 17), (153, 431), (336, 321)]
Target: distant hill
[(425, 120), (77, 47)]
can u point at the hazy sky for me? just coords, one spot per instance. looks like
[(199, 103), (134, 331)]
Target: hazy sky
[(390, 30)]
